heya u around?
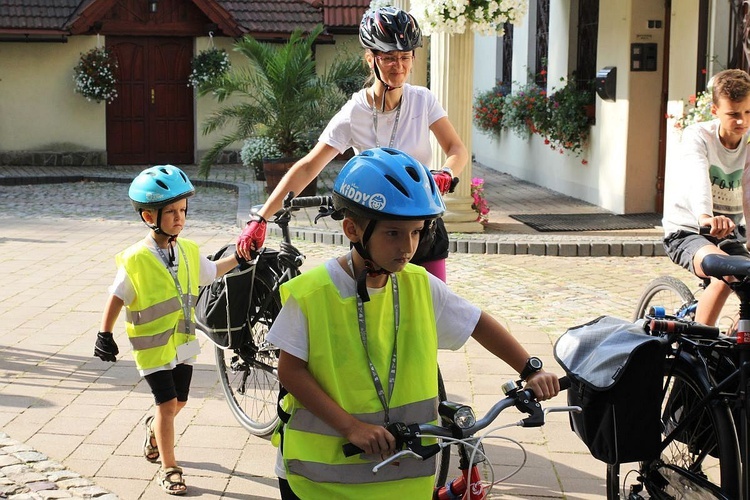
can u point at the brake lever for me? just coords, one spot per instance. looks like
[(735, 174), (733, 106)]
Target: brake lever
[(325, 212), (393, 458), (569, 409)]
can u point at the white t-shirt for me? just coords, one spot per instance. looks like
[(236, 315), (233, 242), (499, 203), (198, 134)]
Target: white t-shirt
[(705, 179), (123, 288), (353, 126), (455, 319)]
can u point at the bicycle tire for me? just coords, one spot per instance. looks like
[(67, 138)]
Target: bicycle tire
[(248, 375), (668, 292), (687, 467), (444, 460)]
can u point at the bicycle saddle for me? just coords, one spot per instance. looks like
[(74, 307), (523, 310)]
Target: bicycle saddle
[(717, 265)]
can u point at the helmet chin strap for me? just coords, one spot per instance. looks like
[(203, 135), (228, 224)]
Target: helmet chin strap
[(376, 69), (158, 230), (370, 266)]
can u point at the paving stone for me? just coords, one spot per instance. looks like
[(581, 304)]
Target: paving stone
[(537, 248), (630, 249), (6, 460), (599, 249), (506, 248), (477, 247), (30, 456), (568, 250)]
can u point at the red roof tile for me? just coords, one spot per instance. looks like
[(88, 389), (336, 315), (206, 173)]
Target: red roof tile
[(36, 14), (273, 16), (255, 16), (344, 13)]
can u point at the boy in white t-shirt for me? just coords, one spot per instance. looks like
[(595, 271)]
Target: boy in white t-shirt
[(705, 188), (359, 337), (157, 283)]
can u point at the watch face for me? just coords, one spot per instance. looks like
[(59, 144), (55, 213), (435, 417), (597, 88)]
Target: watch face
[(535, 363)]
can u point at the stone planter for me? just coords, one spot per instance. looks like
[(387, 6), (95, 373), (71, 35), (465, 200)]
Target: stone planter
[(275, 168)]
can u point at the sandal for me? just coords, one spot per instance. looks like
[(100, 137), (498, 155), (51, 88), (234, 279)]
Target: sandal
[(171, 481), (150, 452)]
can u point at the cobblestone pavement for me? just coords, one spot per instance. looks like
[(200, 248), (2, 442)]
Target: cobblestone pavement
[(70, 423), (505, 194)]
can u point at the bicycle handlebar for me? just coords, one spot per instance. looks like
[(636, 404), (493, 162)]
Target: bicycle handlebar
[(686, 328), (308, 202), (409, 435)]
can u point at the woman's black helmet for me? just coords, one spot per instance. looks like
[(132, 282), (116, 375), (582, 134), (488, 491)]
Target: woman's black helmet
[(388, 29)]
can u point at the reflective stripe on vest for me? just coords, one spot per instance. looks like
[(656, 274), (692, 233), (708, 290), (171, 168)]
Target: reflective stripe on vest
[(154, 320), (316, 466)]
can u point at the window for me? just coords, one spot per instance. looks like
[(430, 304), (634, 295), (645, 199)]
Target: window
[(507, 64), (739, 24), (588, 34), (542, 41)]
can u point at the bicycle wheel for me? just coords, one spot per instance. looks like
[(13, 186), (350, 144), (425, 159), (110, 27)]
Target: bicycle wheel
[(444, 459), (248, 375), (701, 461), (668, 292)]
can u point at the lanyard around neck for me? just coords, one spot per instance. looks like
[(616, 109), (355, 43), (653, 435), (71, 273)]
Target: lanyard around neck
[(375, 120), (384, 401), (184, 304)]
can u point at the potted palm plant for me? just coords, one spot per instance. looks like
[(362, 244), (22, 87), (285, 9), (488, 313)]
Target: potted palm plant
[(280, 97)]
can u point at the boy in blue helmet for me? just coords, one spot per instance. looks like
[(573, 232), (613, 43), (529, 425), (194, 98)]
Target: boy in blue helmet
[(359, 337), (157, 283)]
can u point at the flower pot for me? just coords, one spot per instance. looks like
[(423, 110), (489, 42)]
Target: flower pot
[(275, 168), (259, 173), (590, 110)]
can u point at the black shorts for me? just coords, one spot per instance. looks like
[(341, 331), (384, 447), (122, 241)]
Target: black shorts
[(681, 246), (169, 384)]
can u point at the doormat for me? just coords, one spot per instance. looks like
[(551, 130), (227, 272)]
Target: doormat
[(588, 222)]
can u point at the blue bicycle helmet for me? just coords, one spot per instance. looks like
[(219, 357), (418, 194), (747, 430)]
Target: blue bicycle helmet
[(157, 187), (387, 184)]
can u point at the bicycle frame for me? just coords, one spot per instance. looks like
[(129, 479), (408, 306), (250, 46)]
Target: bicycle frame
[(720, 266), (742, 289)]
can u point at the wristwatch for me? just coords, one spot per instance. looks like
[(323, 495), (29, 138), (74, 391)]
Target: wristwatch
[(533, 365)]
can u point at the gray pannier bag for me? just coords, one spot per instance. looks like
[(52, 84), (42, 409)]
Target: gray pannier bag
[(616, 373), (221, 311)]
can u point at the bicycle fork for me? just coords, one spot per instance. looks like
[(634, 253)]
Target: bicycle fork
[(456, 489), (470, 479)]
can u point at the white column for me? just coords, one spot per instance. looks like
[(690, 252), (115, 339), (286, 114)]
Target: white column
[(451, 80), (419, 68)]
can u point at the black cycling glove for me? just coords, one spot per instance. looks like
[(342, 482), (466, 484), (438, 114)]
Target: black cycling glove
[(105, 347)]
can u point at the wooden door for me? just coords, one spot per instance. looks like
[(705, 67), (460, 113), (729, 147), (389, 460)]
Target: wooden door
[(151, 120)]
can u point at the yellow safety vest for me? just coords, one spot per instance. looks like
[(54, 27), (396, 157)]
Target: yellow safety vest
[(315, 464), (154, 320)]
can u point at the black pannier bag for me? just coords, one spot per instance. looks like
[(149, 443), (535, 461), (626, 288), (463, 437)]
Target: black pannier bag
[(616, 373), (221, 312)]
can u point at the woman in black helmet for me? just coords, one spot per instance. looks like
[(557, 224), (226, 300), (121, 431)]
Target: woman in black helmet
[(388, 113)]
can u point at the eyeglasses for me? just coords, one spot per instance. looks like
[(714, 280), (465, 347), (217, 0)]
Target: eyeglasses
[(392, 60)]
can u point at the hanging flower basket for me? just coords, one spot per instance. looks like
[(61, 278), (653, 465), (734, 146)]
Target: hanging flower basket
[(209, 65), (486, 17), (94, 75)]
